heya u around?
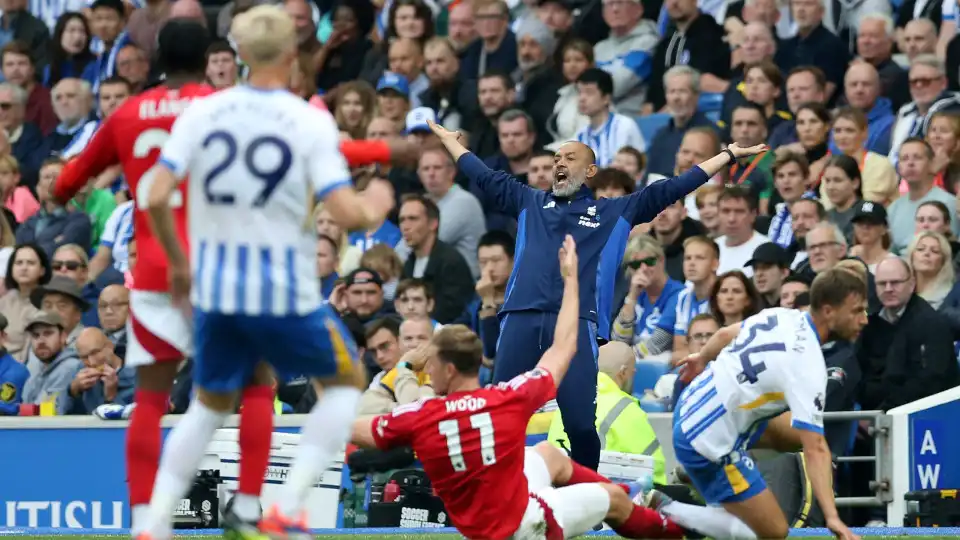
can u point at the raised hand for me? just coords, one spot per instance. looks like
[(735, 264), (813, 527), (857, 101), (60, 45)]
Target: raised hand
[(445, 134), (742, 152), (691, 366)]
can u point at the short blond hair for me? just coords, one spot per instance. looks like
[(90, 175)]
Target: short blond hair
[(8, 163), (263, 34)]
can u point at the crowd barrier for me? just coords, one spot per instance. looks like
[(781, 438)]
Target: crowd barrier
[(68, 472)]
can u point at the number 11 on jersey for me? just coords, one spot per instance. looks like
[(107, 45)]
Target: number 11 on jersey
[(481, 422)]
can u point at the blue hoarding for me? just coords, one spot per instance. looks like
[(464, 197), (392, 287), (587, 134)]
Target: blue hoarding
[(934, 447)]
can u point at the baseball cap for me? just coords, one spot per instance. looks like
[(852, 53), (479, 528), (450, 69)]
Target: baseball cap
[(417, 120), (769, 253), (394, 81), (42, 317), (870, 212), (361, 276)]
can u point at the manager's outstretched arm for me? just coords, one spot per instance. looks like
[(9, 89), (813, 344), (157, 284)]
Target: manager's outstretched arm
[(557, 358)]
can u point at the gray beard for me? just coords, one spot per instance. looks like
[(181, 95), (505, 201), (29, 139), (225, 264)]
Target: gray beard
[(572, 187)]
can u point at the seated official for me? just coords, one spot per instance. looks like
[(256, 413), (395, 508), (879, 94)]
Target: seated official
[(405, 381)]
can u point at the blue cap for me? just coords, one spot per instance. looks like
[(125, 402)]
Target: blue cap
[(395, 82)]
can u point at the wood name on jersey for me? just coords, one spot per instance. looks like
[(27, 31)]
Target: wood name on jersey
[(164, 108)]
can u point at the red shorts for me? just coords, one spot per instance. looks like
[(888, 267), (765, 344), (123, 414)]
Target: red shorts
[(157, 330)]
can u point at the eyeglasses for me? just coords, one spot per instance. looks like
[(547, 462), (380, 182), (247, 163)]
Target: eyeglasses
[(69, 265), (923, 81), (649, 261), (702, 337), (893, 283)]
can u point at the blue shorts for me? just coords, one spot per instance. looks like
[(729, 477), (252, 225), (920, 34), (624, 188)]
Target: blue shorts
[(735, 478), (228, 347)]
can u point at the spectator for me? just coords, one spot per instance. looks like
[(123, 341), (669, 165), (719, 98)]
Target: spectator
[(98, 205), (393, 97), (875, 39), (566, 120), (517, 135), (607, 131), (53, 225), (70, 54), (793, 286), (27, 269), (841, 184), (327, 262), (647, 316), (919, 36), (434, 261), (17, 199), (133, 65), (113, 308), (929, 94), (929, 254), (385, 262), (145, 23), (814, 45), (339, 60), (540, 170), (861, 88), (383, 345), (610, 183), (402, 382), (813, 130), (447, 94), (307, 43), (104, 377), (18, 68), (19, 24), (771, 265), (348, 254), (930, 18), (415, 299), (113, 92), (826, 246), (354, 106), (916, 169), (871, 237), (734, 298), (694, 40), (64, 297), (108, 18), (496, 94), (944, 137), (13, 377), (758, 45), (682, 92), (496, 46), (57, 363), (26, 140), (749, 128), (406, 20), (701, 329), (805, 84), (791, 174), (632, 161), (935, 216), (71, 261), (406, 60), (738, 213), (627, 53), (804, 215), (361, 296), (701, 257), (222, 69), (672, 228), (538, 80), (763, 84), (495, 253), (850, 132), (386, 233), (72, 104), (382, 128), (706, 201), (416, 332), (906, 349), (460, 26)]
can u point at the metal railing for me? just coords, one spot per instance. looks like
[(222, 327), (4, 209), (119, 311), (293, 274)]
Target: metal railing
[(879, 430)]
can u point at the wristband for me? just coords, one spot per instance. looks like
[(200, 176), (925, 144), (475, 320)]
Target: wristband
[(733, 158)]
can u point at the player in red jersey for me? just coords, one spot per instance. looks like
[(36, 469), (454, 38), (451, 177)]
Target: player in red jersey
[(471, 442), (159, 332)]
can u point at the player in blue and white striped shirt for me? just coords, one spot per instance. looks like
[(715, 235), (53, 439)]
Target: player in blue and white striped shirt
[(607, 131), (769, 366), (701, 258), (258, 158)]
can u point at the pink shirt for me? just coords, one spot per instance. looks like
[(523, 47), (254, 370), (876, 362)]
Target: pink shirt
[(22, 203)]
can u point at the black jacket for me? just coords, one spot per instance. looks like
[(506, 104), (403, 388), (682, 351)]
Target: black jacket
[(844, 379), (538, 97), (674, 252), (909, 360), (449, 275)]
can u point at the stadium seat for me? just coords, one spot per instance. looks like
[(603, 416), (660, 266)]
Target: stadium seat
[(710, 103), (651, 124), (647, 375)]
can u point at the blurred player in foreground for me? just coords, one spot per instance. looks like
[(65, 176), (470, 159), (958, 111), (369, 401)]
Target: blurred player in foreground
[(263, 155), (769, 364), (471, 442), (160, 332)]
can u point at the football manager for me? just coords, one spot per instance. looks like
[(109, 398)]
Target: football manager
[(600, 229)]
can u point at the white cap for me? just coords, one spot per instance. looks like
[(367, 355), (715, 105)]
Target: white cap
[(417, 119)]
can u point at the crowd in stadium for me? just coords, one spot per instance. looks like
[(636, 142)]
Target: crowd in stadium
[(857, 100)]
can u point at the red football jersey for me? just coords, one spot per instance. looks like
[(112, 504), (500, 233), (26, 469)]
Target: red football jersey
[(133, 136), (472, 446)]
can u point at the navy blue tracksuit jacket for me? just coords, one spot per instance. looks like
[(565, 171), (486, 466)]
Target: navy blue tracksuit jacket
[(535, 288)]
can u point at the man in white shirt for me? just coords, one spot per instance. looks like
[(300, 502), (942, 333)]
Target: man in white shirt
[(607, 131), (738, 213)]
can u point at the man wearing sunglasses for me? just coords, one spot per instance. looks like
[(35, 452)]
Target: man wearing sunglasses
[(71, 261)]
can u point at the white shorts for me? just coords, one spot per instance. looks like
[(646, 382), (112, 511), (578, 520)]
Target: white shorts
[(577, 509), (157, 330)]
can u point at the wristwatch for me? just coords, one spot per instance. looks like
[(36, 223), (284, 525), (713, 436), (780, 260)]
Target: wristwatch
[(733, 157), (407, 365)]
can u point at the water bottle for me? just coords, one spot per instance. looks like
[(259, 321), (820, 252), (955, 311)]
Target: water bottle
[(391, 492)]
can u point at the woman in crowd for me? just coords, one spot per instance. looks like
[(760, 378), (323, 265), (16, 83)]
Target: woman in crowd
[(339, 59), (27, 269), (929, 254), (648, 313), (384, 261), (349, 255), (734, 298), (407, 19), (763, 83), (16, 198), (790, 176), (813, 130), (871, 234), (566, 119), (935, 216), (943, 135), (354, 105), (841, 183), (879, 178), (706, 198), (70, 54)]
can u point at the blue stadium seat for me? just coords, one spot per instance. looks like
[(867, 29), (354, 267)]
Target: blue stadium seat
[(710, 103), (647, 375), (652, 406), (651, 124)]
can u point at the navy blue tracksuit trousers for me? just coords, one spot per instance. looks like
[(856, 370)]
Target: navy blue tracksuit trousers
[(524, 337)]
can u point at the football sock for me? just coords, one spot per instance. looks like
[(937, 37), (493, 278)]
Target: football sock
[(586, 475), (646, 523), (184, 449), (143, 452), (256, 428), (708, 520), (324, 434)]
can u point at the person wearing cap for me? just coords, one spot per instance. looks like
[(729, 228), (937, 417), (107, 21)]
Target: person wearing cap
[(871, 237), (406, 60), (539, 80), (771, 265), (13, 376), (393, 97), (627, 53), (64, 297), (362, 296), (417, 129), (58, 364)]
